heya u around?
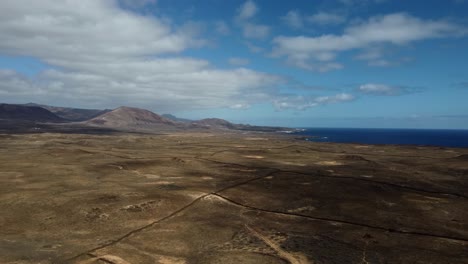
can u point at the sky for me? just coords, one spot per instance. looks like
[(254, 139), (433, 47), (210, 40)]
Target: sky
[(309, 63)]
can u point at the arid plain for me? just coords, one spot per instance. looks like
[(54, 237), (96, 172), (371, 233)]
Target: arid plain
[(228, 198)]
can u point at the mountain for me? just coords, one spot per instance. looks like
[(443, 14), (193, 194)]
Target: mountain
[(217, 123), (27, 116), (27, 113), (130, 118), (72, 114), (175, 118)]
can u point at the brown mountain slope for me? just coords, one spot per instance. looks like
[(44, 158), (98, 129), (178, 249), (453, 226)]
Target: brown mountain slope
[(221, 124), (129, 118), (214, 123)]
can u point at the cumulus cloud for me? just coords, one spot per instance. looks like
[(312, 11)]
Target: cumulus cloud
[(244, 19), (238, 61), (293, 19), (325, 18), (375, 57), (306, 102), (98, 30), (247, 10), (318, 67), (97, 54), (383, 89), (164, 84), (393, 29), (102, 55)]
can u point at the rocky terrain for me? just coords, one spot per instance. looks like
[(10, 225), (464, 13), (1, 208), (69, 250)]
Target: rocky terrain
[(228, 198)]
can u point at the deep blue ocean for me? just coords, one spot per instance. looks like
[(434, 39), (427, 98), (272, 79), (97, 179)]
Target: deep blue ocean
[(426, 137)]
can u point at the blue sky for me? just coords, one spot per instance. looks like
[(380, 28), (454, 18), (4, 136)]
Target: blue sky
[(343, 63)]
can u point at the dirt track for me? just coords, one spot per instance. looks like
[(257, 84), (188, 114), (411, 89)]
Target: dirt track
[(201, 198)]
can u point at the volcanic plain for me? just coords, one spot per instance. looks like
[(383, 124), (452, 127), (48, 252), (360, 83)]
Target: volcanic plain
[(183, 198)]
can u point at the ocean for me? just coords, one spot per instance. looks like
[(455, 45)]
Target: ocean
[(424, 137)]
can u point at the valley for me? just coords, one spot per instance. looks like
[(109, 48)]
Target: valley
[(228, 197)]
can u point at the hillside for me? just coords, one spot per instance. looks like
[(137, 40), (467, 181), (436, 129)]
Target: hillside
[(175, 118), (27, 113), (217, 123), (130, 118), (72, 114), (214, 123)]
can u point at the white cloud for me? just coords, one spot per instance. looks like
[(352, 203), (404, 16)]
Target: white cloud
[(12, 82), (159, 84), (240, 106), (245, 14), (325, 18), (98, 30), (293, 19), (380, 63), (342, 97), (247, 10), (399, 29), (382, 89), (395, 29), (318, 67), (375, 57), (135, 4), (101, 55), (238, 61), (303, 102)]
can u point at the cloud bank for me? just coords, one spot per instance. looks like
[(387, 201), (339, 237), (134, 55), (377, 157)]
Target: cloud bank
[(319, 53), (383, 89), (99, 54), (306, 102)]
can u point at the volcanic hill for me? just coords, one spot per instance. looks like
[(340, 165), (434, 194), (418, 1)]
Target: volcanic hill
[(71, 114), (130, 118), (27, 113)]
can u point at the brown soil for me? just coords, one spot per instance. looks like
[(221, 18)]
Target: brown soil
[(201, 198)]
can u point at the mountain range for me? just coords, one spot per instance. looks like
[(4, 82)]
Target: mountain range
[(121, 119)]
